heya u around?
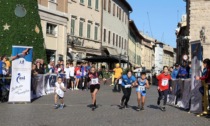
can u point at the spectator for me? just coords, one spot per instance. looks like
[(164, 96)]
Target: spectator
[(78, 75), (117, 75), (51, 67), (189, 70), (39, 70), (183, 71), (71, 68), (175, 72), (67, 72)]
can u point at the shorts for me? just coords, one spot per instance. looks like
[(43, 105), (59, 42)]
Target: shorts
[(78, 76), (143, 93), (93, 87), (72, 78), (59, 97)]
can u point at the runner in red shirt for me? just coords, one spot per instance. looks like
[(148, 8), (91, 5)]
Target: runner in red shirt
[(163, 86)]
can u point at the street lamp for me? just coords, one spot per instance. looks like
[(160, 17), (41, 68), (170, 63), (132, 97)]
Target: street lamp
[(202, 34)]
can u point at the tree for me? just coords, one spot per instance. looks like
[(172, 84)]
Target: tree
[(20, 24)]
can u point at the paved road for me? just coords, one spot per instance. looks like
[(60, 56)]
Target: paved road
[(77, 112)]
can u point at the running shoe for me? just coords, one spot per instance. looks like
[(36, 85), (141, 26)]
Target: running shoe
[(163, 108), (138, 108), (126, 106), (122, 104), (56, 106), (93, 107), (111, 85), (142, 108), (61, 106)]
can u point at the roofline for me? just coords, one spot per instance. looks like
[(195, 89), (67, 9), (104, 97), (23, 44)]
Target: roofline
[(133, 26), (127, 5)]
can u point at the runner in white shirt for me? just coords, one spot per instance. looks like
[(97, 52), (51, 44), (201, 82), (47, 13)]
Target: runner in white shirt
[(71, 73), (59, 93), (67, 72)]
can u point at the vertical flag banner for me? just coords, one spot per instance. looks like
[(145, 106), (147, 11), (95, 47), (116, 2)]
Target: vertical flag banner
[(197, 57), (20, 87)]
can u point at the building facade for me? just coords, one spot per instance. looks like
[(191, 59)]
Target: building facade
[(168, 56), (134, 47), (54, 21), (84, 28), (115, 31), (158, 57), (182, 40), (198, 23)]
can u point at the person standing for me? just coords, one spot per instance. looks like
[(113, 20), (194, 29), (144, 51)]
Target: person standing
[(93, 79), (117, 75), (128, 81), (67, 73), (77, 71), (163, 87), (175, 72), (183, 71), (72, 78)]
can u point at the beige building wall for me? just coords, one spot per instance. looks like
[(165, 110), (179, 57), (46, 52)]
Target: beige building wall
[(198, 16), (131, 52), (54, 27), (89, 42), (147, 55), (168, 56)]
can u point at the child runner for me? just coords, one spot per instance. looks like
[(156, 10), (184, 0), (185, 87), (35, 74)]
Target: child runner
[(142, 84), (72, 75), (163, 87), (93, 79), (128, 81), (59, 93)]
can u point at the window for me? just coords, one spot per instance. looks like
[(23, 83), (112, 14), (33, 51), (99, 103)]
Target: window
[(104, 35), (104, 4), (96, 33), (116, 40), (119, 13), (109, 6), (82, 1), (89, 3), (81, 28), (122, 16), (125, 46), (125, 18), (113, 39), (96, 4), (51, 29), (72, 26), (119, 41), (109, 37), (88, 30), (113, 9), (122, 42), (54, 1)]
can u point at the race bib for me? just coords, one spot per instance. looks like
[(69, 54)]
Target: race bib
[(94, 81), (141, 88), (164, 82), (120, 81), (127, 86), (78, 72)]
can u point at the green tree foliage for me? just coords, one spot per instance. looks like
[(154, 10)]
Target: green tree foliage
[(20, 24)]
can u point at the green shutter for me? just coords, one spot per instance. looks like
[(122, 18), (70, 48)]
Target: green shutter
[(96, 6), (82, 1), (81, 29), (96, 33), (72, 26), (89, 3), (88, 30)]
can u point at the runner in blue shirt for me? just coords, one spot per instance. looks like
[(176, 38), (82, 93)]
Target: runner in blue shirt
[(142, 84), (128, 81)]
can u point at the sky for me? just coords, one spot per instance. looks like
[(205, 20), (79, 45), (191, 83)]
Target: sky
[(158, 18)]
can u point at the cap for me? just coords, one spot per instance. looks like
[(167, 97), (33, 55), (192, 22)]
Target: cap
[(176, 65)]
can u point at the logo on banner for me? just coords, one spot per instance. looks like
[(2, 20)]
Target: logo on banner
[(20, 78)]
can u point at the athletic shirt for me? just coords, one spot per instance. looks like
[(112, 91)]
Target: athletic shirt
[(77, 71), (141, 85), (163, 81), (127, 81), (94, 79)]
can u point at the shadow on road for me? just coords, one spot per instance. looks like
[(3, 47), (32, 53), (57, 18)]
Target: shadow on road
[(153, 106)]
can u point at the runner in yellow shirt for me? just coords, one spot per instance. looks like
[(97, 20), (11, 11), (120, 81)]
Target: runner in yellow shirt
[(117, 76)]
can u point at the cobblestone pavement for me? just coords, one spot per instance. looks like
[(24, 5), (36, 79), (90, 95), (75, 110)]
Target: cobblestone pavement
[(77, 113)]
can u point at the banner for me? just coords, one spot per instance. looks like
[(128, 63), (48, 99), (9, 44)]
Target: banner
[(196, 97), (20, 87), (49, 86)]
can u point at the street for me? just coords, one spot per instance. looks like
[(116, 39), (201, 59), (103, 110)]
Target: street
[(77, 112)]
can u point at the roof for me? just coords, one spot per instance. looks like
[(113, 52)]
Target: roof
[(133, 26), (127, 5)]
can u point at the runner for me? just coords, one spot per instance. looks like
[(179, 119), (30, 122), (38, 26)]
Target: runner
[(163, 87), (93, 79), (142, 84), (78, 75), (128, 81), (59, 93)]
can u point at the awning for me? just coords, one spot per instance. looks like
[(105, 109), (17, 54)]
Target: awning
[(108, 59), (112, 51)]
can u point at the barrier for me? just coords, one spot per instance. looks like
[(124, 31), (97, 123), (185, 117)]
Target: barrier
[(43, 84), (186, 95)]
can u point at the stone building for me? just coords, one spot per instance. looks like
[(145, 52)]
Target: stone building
[(135, 39), (54, 21), (198, 23), (168, 56), (84, 28)]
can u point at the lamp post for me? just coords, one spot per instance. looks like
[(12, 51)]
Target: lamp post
[(202, 34)]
